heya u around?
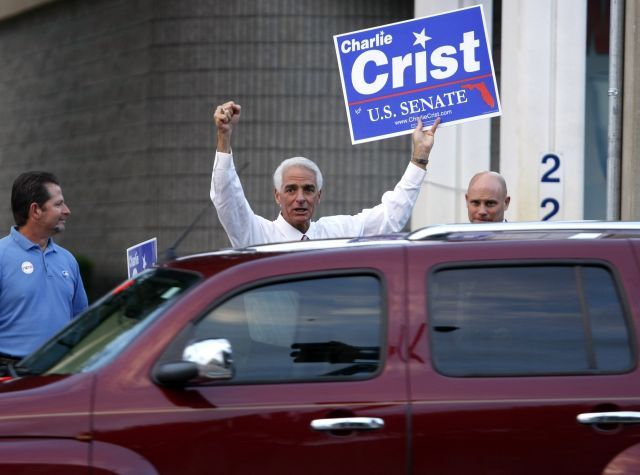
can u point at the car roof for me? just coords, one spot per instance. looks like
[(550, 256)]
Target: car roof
[(210, 263), (533, 230)]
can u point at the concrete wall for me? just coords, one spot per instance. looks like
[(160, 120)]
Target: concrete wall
[(460, 150), (543, 93), (116, 96)]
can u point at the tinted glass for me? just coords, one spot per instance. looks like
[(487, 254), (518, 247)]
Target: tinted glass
[(526, 320), (299, 330), (109, 325)]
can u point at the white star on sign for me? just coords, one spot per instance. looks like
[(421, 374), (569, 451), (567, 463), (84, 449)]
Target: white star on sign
[(421, 39)]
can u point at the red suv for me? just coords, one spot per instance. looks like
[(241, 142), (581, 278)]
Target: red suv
[(485, 349)]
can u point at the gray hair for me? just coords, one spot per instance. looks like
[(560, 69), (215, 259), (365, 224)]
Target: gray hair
[(296, 162)]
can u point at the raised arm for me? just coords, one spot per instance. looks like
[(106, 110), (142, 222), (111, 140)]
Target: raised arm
[(423, 143), (226, 116)]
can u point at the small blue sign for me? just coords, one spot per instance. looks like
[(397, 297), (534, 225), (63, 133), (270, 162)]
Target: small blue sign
[(430, 67), (141, 257)]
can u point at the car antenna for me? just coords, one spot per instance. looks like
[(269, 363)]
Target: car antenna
[(170, 253)]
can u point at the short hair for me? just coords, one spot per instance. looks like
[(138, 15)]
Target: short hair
[(501, 181), (29, 188), (293, 162)]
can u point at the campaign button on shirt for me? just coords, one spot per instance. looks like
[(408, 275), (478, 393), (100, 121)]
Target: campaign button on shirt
[(27, 267)]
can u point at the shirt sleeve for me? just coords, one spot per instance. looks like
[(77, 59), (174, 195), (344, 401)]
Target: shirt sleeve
[(80, 300), (242, 225), (396, 205)]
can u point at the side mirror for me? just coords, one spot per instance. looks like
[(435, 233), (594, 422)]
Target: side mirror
[(202, 361)]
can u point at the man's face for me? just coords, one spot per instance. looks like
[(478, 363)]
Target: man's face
[(486, 200), (298, 197), (54, 212)]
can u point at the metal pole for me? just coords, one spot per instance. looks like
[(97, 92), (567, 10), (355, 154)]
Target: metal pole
[(616, 49)]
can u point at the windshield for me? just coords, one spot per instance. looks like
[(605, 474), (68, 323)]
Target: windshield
[(109, 325)]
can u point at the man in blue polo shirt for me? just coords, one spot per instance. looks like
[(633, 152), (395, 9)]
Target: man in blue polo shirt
[(40, 285)]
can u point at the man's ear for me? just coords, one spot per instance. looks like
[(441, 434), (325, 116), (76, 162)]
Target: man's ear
[(507, 200), (276, 195), (34, 211), (319, 196)]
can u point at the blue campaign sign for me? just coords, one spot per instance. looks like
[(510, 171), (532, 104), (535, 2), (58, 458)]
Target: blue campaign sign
[(141, 256), (436, 66)]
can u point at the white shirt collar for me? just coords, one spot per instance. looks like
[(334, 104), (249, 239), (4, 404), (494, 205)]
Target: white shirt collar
[(289, 232)]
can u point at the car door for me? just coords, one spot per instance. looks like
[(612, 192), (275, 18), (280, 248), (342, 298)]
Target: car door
[(319, 381), (515, 348)]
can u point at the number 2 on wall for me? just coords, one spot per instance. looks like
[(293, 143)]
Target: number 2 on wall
[(555, 164), (550, 185), (555, 207)]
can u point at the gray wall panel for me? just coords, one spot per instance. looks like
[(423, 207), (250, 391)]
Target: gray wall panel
[(116, 97)]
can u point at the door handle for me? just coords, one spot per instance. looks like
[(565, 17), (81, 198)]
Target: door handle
[(347, 423), (614, 417)]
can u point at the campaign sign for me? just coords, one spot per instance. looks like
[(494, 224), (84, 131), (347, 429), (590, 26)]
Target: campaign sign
[(430, 67), (141, 256)]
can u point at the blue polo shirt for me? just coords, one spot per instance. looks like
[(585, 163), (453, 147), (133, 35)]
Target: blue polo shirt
[(40, 292)]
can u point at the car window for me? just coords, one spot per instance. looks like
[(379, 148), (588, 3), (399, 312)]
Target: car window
[(105, 328), (527, 320), (307, 329)]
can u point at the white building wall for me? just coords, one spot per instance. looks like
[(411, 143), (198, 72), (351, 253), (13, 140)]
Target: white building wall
[(542, 91), (460, 150)]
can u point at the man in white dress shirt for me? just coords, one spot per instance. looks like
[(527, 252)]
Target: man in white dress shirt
[(298, 189)]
